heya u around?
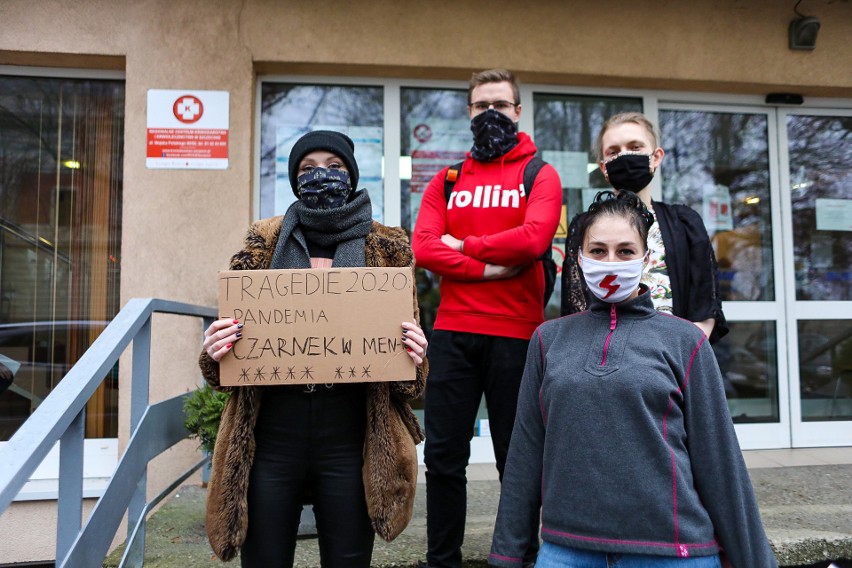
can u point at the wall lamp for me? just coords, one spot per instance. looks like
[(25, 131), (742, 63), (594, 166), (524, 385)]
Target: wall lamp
[(803, 31)]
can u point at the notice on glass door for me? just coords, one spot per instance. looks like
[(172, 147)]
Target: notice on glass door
[(834, 215), (187, 129)]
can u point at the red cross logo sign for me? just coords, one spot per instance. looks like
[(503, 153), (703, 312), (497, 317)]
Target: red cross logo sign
[(188, 109), (422, 133)]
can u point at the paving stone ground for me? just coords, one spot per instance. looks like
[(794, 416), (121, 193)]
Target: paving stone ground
[(807, 512)]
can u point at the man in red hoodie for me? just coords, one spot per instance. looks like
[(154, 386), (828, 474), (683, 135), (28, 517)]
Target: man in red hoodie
[(484, 242)]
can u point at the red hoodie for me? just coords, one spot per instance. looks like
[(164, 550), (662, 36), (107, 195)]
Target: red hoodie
[(489, 210)]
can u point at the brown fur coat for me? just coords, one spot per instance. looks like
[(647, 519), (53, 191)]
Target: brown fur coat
[(390, 462)]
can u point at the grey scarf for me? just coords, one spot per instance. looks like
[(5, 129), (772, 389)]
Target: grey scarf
[(344, 227)]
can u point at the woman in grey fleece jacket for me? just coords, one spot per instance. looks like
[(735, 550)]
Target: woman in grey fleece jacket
[(623, 436)]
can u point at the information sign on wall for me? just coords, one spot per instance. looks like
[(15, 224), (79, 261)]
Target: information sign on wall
[(188, 129)]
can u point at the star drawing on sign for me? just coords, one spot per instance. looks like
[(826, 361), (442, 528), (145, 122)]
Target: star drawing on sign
[(243, 376), (276, 375), (307, 373), (291, 376), (366, 372), (338, 373), (258, 375), (352, 373)]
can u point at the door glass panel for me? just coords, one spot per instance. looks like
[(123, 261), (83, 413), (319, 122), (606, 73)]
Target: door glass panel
[(825, 369), (565, 128), (434, 133), (820, 150), (61, 165), (747, 357), (718, 164), (289, 111)]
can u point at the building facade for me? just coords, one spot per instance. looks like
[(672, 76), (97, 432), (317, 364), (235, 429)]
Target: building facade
[(757, 137)]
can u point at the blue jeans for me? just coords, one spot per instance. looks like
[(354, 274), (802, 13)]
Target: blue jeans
[(557, 556)]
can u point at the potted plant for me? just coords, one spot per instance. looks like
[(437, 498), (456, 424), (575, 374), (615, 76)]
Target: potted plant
[(202, 410)]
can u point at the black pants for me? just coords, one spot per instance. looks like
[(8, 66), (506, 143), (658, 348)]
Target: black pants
[(309, 442), (463, 366)]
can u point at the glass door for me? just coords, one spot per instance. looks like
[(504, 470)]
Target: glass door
[(61, 167), (722, 162), (816, 197), (774, 187)]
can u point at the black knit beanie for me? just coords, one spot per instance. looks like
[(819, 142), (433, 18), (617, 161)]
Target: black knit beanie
[(330, 141)]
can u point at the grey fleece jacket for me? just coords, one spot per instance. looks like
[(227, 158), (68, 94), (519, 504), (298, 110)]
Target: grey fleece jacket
[(623, 438)]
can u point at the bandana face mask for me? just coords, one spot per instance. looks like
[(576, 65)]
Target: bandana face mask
[(630, 172), (322, 188), (494, 134), (612, 282)]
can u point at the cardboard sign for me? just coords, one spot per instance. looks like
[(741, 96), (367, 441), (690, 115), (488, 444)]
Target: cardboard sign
[(338, 325)]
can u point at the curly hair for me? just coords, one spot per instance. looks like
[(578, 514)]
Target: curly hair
[(625, 205)]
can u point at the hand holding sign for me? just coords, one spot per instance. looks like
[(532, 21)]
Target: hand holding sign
[(415, 341), (220, 337)]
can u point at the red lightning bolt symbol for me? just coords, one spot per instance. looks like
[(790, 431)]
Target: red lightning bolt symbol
[(607, 283)]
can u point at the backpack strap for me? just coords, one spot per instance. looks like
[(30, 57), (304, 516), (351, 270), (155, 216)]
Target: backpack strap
[(530, 172), (451, 178)]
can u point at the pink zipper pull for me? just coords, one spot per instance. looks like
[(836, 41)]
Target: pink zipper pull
[(612, 322)]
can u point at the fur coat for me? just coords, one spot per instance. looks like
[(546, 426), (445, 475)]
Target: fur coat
[(390, 462)]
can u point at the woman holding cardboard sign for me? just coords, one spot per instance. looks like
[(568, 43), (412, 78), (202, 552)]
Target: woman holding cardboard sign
[(349, 446)]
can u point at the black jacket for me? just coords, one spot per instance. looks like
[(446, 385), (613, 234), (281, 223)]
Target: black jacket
[(690, 260)]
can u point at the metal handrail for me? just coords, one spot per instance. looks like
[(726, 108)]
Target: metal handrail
[(61, 417)]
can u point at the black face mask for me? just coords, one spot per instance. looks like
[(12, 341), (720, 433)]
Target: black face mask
[(630, 172), (494, 134), (321, 188)]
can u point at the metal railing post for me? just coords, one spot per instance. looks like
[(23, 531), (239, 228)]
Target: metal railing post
[(69, 507), (139, 393), (61, 418)]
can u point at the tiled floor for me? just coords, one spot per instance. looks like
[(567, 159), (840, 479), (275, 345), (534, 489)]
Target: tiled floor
[(800, 456), (754, 459)]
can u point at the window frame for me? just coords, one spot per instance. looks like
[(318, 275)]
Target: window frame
[(752, 436), (100, 454)]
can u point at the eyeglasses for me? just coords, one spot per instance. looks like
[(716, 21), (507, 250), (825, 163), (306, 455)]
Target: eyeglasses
[(502, 106)]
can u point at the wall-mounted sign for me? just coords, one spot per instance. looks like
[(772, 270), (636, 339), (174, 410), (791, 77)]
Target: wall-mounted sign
[(435, 144), (188, 129)]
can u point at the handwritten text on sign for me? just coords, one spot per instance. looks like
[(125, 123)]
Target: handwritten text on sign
[(317, 325)]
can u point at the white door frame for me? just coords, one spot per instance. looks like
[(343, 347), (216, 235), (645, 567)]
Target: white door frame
[(818, 433), (777, 434)]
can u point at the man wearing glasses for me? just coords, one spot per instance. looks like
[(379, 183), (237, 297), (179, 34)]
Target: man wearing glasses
[(484, 239)]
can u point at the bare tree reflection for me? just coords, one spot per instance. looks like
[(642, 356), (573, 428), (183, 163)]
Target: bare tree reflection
[(309, 106), (820, 168), (705, 150)]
